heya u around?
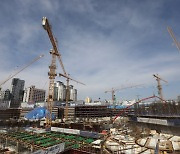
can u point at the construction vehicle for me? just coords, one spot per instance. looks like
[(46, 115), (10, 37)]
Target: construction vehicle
[(159, 87), (173, 37), (18, 71), (52, 73)]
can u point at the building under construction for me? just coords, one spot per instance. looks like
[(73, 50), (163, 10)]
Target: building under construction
[(139, 127)]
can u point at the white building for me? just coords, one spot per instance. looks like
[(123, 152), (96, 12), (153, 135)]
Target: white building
[(88, 100), (73, 94), (60, 92), (34, 95)]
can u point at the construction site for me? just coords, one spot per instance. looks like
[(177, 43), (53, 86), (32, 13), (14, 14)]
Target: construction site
[(146, 125)]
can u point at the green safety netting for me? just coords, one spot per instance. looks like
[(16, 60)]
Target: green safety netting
[(62, 135), (70, 137), (43, 141), (50, 143), (52, 135), (37, 139), (14, 134), (75, 146), (50, 139), (23, 136), (80, 139), (68, 144), (89, 140), (29, 138), (47, 133)]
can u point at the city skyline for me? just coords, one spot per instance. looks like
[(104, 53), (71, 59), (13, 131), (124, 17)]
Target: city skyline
[(32, 94), (103, 44)]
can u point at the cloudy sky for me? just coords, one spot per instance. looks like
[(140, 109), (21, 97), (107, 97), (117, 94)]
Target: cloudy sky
[(104, 44)]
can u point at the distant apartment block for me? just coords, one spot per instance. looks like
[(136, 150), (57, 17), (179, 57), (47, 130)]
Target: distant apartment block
[(2, 93), (33, 95), (73, 94), (60, 91), (5, 95)]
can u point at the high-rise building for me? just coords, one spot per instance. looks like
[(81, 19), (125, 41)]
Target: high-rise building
[(73, 94), (33, 95), (5, 99), (60, 91), (17, 92), (7, 95)]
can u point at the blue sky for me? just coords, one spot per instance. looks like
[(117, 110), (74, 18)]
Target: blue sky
[(104, 44)]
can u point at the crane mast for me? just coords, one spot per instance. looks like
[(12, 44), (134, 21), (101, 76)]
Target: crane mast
[(159, 86), (52, 74), (114, 90), (67, 91)]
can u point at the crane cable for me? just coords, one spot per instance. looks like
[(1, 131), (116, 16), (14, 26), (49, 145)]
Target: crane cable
[(11, 76)]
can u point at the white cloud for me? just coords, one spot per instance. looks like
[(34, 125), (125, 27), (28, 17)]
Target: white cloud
[(109, 52)]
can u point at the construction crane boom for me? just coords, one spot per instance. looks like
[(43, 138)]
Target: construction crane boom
[(65, 76), (159, 86), (118, 89), (156, 76), (11, 76), (47, 27), (173, 37)]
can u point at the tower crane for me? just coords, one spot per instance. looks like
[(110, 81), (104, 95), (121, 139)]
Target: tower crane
[(52, 73), (159, 87), (174, 38), (68, 78), (113, 90), (11, 76)]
